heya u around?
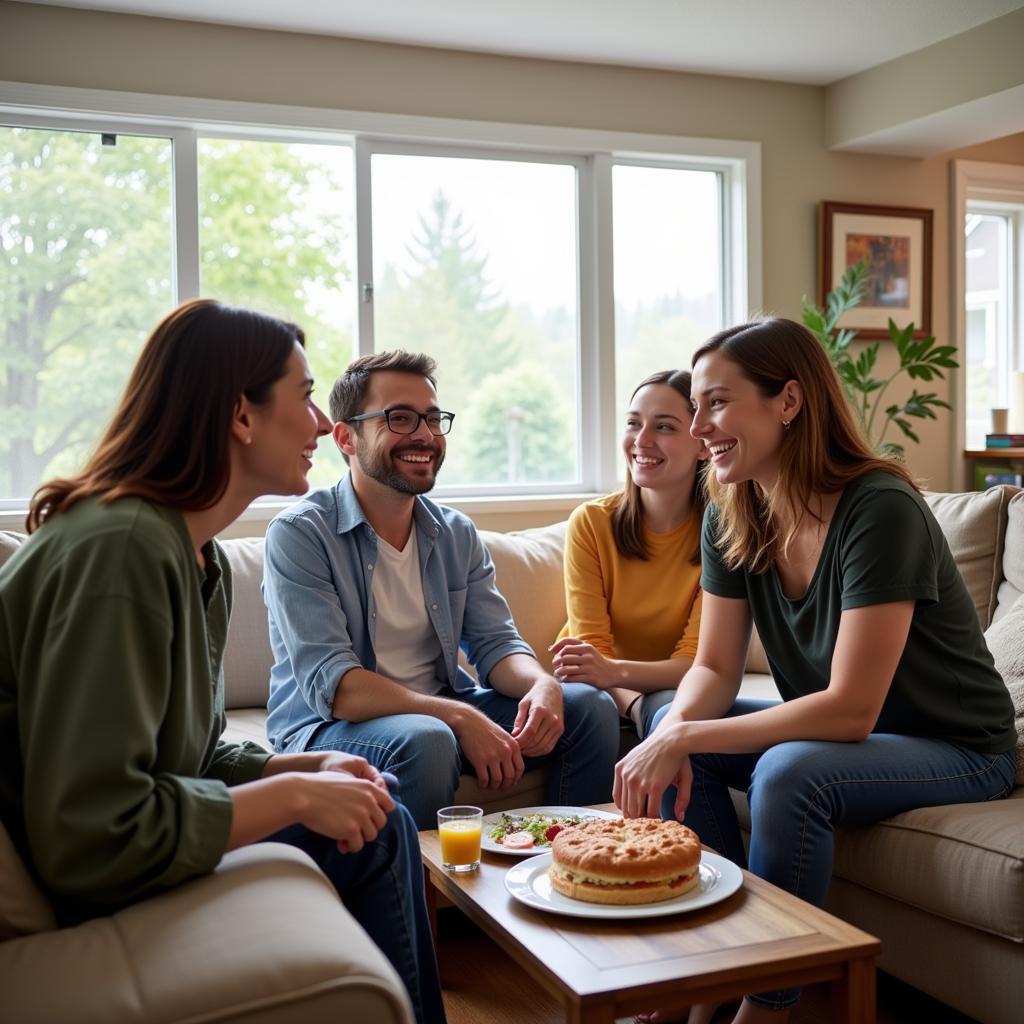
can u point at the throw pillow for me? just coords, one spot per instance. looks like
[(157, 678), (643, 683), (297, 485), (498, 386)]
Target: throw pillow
[(974, 524), (528, 572), (1005, 640)]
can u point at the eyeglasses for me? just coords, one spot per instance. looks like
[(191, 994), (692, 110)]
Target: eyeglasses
[(407, 421)]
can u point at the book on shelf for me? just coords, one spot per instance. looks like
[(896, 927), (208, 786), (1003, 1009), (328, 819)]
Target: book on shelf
[(1004, 440), (986, 476)]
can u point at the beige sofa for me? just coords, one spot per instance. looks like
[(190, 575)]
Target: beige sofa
[(943, 889)]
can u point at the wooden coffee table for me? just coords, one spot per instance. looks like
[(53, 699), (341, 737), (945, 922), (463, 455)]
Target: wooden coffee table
[(758, 939)]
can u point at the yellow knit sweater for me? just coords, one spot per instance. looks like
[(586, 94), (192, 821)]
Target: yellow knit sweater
[(628, 608)]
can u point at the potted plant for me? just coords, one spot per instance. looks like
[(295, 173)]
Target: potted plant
[(921, 360)]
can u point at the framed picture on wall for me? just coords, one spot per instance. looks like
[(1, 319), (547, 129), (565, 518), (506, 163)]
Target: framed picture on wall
[(896, 242)]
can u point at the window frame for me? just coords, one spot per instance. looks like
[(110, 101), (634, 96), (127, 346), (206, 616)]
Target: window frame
[(1003, 301), (366, 148), (997, 189), (185, 120)]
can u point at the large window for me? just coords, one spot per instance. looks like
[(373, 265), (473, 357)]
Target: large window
[(988, 285), (669, 280), (988, 356), (547, 278), (85, 246), (992, 290), (474, 261)]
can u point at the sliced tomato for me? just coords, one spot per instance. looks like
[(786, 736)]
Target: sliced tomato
[(517, 841)]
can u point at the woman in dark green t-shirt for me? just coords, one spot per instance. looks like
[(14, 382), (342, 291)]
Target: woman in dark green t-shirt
[(115, 785), (890, 697)]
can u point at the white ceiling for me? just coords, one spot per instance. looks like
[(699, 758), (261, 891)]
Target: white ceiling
[(808, 41)]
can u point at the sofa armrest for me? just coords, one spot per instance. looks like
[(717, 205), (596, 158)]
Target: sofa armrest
[(263, 938)]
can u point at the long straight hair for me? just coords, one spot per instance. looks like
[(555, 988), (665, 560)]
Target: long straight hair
[(628, 514), (169, 439), (820, 453)]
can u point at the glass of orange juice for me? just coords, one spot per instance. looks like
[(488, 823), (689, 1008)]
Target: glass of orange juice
[(459, 829)]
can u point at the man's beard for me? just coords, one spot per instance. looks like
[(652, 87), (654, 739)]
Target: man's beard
[(380, 467)]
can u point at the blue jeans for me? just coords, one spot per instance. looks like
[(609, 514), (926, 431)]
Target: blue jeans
[(650, 705), (799, 791), (382, 887), (425, 757)]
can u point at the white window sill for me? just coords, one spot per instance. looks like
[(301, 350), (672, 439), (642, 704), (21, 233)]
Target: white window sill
[(253, 521)]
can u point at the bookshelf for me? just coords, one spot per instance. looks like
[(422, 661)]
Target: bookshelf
[(1001, 460)]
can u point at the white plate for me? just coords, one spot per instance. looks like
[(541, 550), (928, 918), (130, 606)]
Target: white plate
[(529, 883), (490, 820)]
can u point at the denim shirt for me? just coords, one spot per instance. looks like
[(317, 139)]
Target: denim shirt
[(319, 561)]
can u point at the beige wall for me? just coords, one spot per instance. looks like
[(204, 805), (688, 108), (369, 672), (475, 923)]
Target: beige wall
[(59, 46), (904, 96)]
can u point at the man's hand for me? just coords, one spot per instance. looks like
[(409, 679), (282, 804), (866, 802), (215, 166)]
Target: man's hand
[(494, 755), (576, 661), (644, 774), (541, 718), (335, 803)]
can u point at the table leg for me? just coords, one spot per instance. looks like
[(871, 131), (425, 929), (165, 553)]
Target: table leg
[(853, 996), (430, 891)]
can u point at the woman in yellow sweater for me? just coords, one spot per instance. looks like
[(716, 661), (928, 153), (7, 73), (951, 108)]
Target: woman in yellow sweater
[(632, 561)]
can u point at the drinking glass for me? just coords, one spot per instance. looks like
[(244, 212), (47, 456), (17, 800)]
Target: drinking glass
[(459, 829)]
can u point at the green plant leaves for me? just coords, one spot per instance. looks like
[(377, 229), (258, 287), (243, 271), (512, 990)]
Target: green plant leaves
[(920, 359)]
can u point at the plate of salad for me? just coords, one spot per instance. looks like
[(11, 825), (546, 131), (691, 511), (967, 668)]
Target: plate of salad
[(529, 830)]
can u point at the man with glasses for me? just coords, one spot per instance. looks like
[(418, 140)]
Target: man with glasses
[(371, 588)]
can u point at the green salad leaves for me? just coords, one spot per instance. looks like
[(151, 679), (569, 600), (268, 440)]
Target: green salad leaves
[(535, 824)]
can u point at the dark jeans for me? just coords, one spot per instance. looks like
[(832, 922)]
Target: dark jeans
[(424, 754), (382, 887), (800, 791)]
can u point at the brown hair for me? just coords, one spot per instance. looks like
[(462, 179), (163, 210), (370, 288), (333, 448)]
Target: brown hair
[(821, 452), (169, 439), (349, 391), (628, 515)]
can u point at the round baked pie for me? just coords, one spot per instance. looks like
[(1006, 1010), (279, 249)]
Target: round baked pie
[(625, 861)]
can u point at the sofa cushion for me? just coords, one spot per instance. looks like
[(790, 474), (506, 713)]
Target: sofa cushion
[(757, 660), (247, 657), (9, 543), (247, 725), (528, 572), (963, 862), (527, 792), (1012, 585), (1005, 640), (974, 525), (263, 937)]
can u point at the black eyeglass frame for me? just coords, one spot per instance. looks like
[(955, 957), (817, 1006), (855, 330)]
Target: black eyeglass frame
[(447, 418)]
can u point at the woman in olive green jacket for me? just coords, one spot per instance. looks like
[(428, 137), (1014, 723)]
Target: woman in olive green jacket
[(114, 782)]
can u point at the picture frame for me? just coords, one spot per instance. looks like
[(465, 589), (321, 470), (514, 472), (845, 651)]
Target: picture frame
[(897, 242)]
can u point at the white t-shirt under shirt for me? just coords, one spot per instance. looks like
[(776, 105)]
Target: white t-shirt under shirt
[(406, 645)]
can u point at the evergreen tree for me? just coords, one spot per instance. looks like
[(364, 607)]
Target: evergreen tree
[(447, 306)]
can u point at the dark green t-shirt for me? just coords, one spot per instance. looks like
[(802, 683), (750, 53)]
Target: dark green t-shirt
[(883, 545)]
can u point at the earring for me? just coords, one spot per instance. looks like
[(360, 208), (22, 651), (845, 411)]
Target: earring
[(248, 440), (785, 424)]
